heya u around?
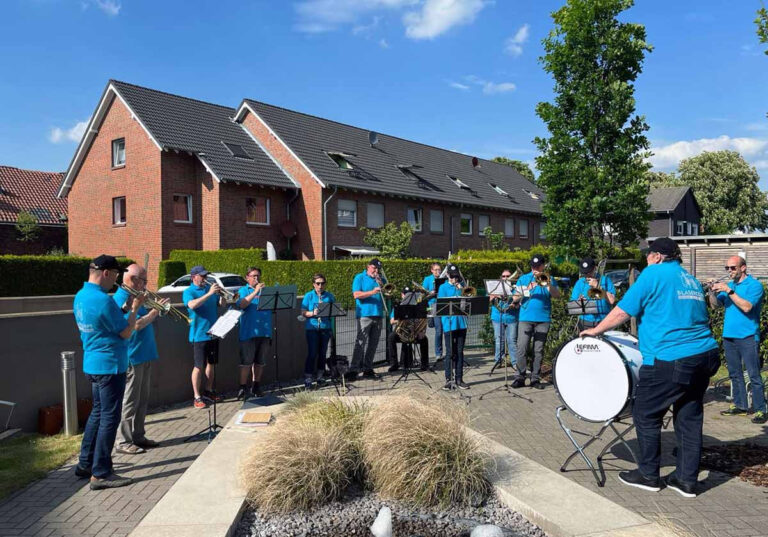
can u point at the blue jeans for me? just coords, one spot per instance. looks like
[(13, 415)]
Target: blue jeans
[(438, 338), (101, 428), (510, 330), (744, 350), (682, 384), (317, 350), (455, 354)]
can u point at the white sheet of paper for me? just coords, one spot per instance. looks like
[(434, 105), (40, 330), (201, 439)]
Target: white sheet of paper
[(225, 323)]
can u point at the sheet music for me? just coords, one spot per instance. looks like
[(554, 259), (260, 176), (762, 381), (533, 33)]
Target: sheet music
[(225, 323), (499, 287)]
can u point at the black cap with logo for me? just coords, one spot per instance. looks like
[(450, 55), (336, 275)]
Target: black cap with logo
[(106, 262)]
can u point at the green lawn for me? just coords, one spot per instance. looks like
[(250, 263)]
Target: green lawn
[(29, 457)]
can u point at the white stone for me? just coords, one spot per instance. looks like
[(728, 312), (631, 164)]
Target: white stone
[(487, 530), (382, 526)]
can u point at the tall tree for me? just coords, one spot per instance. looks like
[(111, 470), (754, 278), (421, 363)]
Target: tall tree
[(522, 167), (592, 166), (662, 179), (762, 25), (726, 188)]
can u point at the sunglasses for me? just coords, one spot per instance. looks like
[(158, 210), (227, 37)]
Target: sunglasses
[(506, 275), (731, 267), (319, 283)]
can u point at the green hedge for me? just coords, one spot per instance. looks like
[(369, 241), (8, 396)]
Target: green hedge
[(235, 260), (170, 271), (41, 275)]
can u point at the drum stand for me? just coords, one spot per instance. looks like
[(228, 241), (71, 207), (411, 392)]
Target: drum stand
[(619, 437)]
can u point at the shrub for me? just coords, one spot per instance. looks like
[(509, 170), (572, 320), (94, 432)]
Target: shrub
[(418, 451), (170, 271), (236, 260), (392, 241), (27, 226)]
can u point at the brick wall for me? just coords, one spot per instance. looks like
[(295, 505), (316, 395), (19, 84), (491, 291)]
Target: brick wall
[(307, 210), (49, 237), (91, 231), (236, 232), (426, 243)]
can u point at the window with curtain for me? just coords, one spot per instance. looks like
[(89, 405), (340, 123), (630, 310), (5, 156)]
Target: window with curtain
[(347, 213), (257, 210)]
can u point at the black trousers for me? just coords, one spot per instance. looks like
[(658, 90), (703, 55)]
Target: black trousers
[(405, 354)]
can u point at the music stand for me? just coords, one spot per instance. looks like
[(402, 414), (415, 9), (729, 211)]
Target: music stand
[(277, 297), (582, 306), (331, 310), (219, 330), (410, 312)]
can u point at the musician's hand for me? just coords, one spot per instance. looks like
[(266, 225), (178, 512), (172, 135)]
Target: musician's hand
[(314, 312), (376, 290), (720, 287), (215, 289), (164, 301), (138, 301), (592, 282), (392, 321), (589, 332)]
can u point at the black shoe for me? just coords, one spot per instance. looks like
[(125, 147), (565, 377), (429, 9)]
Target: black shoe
[(687, 491), (448, 386), (256, 390), (146, 443), (636, 479), (391, 369), (112, 481), (538, 385), (81, 472), (424, 368), (518, 382), (241, 394), (462, 385), (371, 374)]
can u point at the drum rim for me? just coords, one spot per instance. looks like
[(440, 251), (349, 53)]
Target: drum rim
[(559, 395)]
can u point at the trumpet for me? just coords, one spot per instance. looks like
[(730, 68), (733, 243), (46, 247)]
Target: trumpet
[(420, 289), (152, 301), (228, 295), (706, 285)]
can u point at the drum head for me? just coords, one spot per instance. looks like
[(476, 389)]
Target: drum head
[(592, 379)]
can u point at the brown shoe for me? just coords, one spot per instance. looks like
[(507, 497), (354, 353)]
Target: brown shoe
[(112, 481)]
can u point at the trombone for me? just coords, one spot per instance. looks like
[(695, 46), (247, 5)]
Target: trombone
[(597, 293), (152, 301)]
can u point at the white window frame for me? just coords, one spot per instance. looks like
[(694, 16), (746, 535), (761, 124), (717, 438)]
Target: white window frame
[(339, 208), (419, 225), (119, 217), (116, 152), (340, 159), (522, 223), (268, 207), (432, 216), (680, 227), (689, 228), (695, 229), (189, 208), (466, 216), (509, 223), (369, 223)]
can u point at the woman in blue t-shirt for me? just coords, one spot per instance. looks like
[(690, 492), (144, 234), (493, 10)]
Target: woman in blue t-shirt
[(317, 330)]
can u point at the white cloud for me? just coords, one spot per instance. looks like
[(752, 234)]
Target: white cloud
[(383, 43), (366, 28), (462, 87), (514, 45), (110, 7), (317, 16), (761, 164), (489, 88), (763, 126), (438, 16), (670, 155), (58, 135)]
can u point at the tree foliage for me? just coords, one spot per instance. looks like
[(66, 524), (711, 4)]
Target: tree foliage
[(27, 226), (522, 167), (726, 188), (392, 241), (592, 165), (762, 25), (493, 241)]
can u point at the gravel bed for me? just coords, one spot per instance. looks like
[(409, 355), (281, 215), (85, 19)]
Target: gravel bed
[(355, 513)]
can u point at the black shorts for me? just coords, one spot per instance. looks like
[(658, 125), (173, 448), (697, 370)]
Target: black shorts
[(205, 352)]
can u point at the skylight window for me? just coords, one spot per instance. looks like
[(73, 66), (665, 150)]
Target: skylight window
[(533, 195), (459, 183), (500, 190), (237, 151), (341, 160)]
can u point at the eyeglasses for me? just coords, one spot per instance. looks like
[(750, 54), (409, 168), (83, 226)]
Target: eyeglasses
[(506, 275), (140, 279), (254, 275), (731, 267), (319, 283)]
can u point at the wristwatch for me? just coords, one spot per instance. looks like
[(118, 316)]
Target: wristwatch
[(731, 292)]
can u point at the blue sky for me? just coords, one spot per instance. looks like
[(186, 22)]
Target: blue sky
[(459, 74)]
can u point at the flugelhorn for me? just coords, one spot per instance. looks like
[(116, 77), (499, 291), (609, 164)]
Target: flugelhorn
[(152, 301)]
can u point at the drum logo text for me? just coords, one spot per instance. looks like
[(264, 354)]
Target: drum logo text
[(586, 347)]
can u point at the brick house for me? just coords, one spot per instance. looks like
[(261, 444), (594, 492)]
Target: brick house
[(34, 192), (156, 172)]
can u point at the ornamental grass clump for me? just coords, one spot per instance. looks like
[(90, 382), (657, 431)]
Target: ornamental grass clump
[(419, 451), (311, 456)]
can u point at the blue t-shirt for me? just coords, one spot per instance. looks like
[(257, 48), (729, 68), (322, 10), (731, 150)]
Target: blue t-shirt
[(372, 305), (509, 317), (537, 307), (738, 324), (603, 307), (429, 285), (451, 322), (309, 302), (100, 321), (203, 316), (672, 319), (141, 345), (253, 322)]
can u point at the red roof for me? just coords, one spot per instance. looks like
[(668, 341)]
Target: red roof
[(28, 190)]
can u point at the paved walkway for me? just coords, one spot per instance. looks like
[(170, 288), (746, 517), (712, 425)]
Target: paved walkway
[(62, 505)]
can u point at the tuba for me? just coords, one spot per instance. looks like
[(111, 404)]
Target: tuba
[(411, 330)]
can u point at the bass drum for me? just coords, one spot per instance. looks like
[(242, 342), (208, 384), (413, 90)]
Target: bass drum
[(596, 377)]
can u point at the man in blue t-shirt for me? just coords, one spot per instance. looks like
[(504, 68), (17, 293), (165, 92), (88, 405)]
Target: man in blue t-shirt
[(142, 351), (534, 292), (255, 333), (429, 285), (679, 357), (591, 280), (369, 309), (103, 331), (742, 298), (202, 300)]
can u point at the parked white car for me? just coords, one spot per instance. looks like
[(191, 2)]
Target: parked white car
[(231, 282)]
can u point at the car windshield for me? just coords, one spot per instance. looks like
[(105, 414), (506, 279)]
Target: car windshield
[(232, 281)]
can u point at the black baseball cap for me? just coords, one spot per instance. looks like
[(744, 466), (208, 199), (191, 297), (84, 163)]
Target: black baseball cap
[(664, 246), (106, 262), (586, 265), (538, 260), (453, 271), (375, 262)]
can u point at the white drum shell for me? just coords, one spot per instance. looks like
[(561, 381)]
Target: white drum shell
[(595, 378)]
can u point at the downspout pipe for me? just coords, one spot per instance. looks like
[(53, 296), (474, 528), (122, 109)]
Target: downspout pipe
[(288, 212), (325, 223)]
